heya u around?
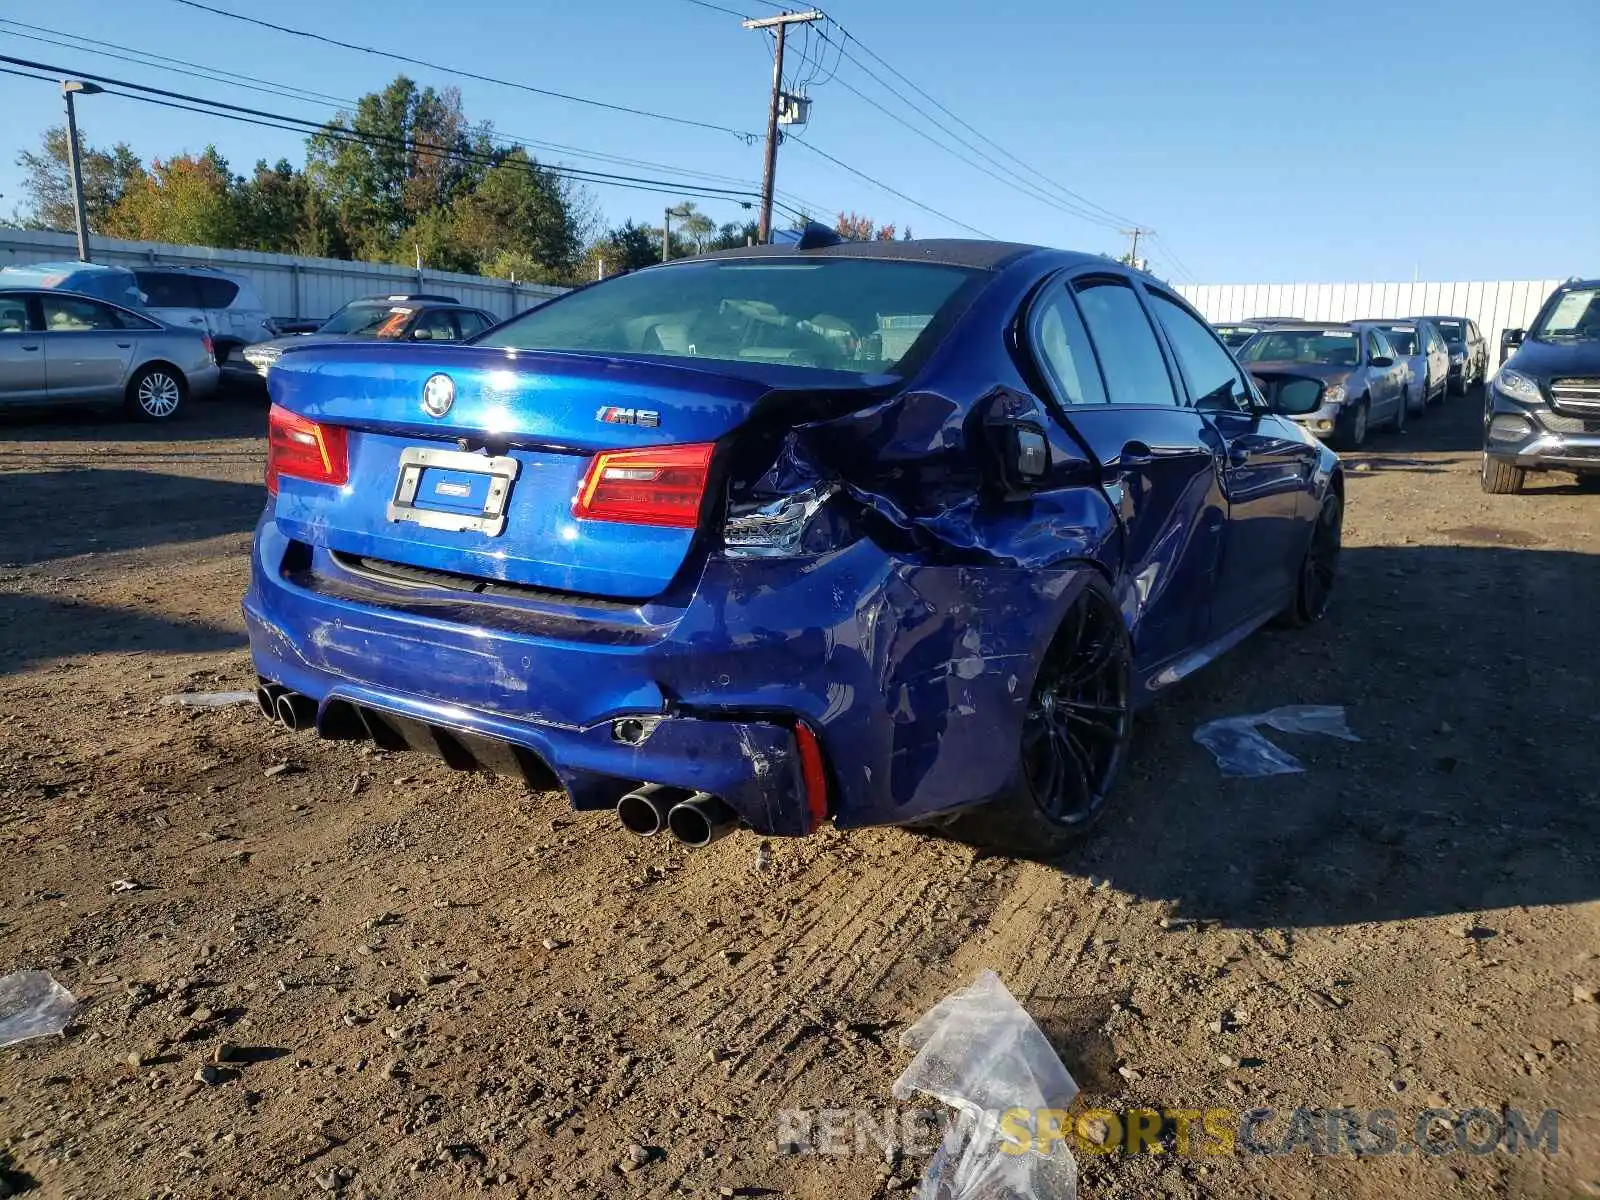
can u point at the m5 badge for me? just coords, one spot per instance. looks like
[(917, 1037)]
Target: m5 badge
[(645, 418)]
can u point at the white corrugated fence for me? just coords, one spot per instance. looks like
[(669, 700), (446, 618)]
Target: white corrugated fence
[(289, 285), (1494, 305)]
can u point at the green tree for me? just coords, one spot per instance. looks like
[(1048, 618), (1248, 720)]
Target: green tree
[(731, 235), (272, 207), (693, 224), (624, 248), (402, 152), (188, 199), (47, 182), (520, 218)]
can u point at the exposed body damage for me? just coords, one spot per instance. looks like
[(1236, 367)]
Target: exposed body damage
[(905, 629)]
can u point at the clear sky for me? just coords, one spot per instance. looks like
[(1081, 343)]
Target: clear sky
[(1441, 139)]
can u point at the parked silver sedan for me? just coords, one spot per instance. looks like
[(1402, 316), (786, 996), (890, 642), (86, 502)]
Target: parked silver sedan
[(64, 347)]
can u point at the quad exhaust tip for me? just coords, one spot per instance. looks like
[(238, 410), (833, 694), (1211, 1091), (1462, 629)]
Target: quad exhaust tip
[(644, 810), (701, 820), (295, 711)]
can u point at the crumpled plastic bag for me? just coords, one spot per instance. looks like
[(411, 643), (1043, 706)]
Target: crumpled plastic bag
[(1242, 752), (32, 1004), (209, 699), (979, 1051)]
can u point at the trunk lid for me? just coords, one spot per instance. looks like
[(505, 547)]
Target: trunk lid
[(485, 488)]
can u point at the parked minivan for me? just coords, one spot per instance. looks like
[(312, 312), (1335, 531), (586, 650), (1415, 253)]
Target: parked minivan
[(224, 305)]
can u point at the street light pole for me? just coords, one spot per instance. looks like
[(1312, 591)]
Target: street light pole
[(69, 87)]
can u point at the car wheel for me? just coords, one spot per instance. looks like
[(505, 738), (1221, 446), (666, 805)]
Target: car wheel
[(157, 393), (1589, 481), (1500, 478), (1075, 735), (1319, 570), (1353, 434)]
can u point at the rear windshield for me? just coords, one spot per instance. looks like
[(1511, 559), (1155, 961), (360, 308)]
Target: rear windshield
[(368, 320), (855, 315), (1453, 331), (1329, 347), (1402, 337)]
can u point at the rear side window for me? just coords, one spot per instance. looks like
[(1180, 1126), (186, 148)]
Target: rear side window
[(1061, 344), (216, 293), (1213, 378), (168, 289), (68, 314), (1130, 356)]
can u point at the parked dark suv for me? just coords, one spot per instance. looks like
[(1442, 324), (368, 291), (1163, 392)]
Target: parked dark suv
[(1541, 411), (1469, 353)]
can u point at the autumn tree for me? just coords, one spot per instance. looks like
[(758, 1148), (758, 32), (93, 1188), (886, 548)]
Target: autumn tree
[(187, 199), (857, 228)]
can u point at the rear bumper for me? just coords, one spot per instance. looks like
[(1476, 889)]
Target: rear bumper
[(915, 689), (203, 381)]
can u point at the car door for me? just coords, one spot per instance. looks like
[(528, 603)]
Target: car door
[(434, 325), (1157, 458), (472, 322), (21, 350), (1438, 357), (1383, 382), (1267, 469), (86, 348), (174, 297)]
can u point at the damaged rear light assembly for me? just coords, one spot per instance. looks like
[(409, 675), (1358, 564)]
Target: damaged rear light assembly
[(774, 529), (304, 449), (662, 485)]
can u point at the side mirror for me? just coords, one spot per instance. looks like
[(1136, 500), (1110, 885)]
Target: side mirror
[(1383, 360), (1513, 337)]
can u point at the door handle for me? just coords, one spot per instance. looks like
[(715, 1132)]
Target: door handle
[(1136, 454), (197, 320), (35, 346), (123, 345), (1238, 457)]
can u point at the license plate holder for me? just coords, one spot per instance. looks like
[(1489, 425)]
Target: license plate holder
[(456, 470)]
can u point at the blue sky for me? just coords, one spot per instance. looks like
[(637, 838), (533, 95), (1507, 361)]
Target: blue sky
[(1272, 143)]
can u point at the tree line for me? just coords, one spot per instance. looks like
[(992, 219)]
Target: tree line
[(404, 177)]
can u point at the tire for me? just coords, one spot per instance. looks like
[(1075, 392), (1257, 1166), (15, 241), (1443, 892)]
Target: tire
[(1319, 569), (1353, 435), (1074, 738), (157, 393), (1588, 481), (1457, 387), (1500, 478)]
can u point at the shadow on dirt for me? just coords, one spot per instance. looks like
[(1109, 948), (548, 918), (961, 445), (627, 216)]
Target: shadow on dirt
[(39, 628), (1466, 672), (57, 514), (231, 414)]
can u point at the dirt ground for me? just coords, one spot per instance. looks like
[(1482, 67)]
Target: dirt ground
[(435, 983)]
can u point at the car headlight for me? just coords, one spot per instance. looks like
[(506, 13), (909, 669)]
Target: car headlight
[(1518, 386), (1334, 394)]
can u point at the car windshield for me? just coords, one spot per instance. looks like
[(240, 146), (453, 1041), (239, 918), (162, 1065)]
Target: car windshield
[(1454, 332), (860, 315), (368, 319), (1234, 336), (1327, 347), (1402, 337), (1576, 314)]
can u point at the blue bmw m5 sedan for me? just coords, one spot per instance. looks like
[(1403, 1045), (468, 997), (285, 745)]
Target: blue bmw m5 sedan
[(857, 533)]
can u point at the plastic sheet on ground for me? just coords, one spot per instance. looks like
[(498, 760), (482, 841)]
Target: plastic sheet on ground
[(33, 1005), (209, 699), (1243, 752), (979, 1052)]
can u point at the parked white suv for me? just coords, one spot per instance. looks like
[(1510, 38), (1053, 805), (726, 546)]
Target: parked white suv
[(224, 305)]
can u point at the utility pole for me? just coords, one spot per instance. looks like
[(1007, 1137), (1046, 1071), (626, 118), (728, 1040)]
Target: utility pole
[(782, 21), (1133, 250), (666, 234), (69, 88)]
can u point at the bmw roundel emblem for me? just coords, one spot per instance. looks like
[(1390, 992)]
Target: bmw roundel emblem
[(438, 394)]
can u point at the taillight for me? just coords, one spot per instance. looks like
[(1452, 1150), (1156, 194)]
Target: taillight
[(303, 449), (660, 486), (211, 347)]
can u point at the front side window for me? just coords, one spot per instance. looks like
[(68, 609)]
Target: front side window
[(1062, 345), (13, 315), (1380, 345), (1208, 370), (1130, 357), (1324, 347), (471, 323), (844, 314), (65, 314)]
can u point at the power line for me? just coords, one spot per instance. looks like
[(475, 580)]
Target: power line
[(1171, 256), (749, 138), (1044, 179), (186, 102), (717, 8), (878, 183)]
